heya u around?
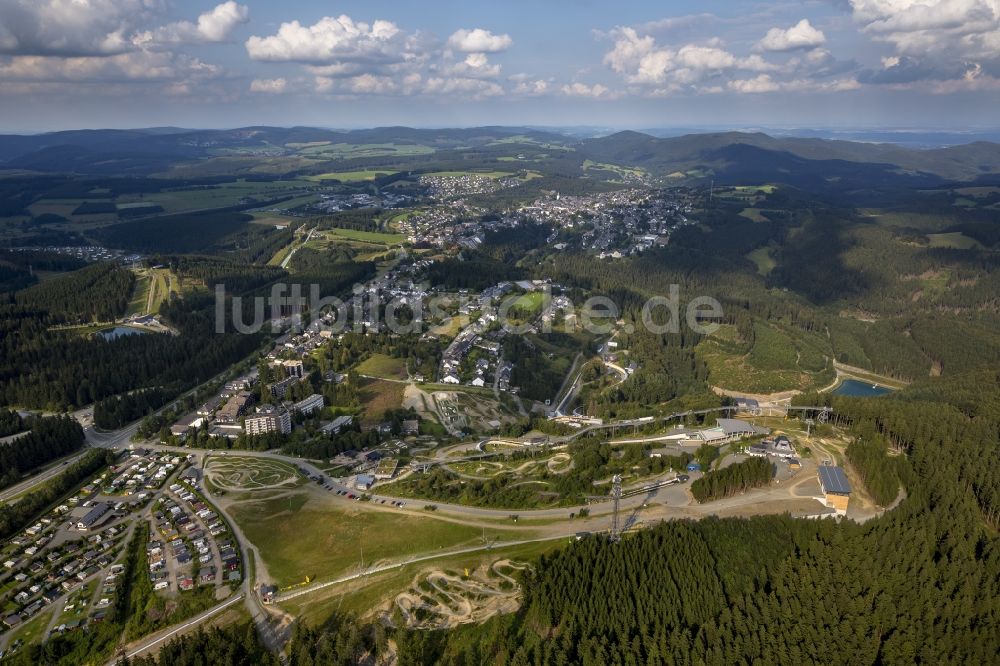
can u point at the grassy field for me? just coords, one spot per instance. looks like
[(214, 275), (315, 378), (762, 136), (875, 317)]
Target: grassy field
[(352, 150), (753, 214), (457, 174), (297, 537), (140, 295), (386, 367), (613, 168), (225, 194), (378, 396), (362, 597), (954, 240), (352, 176), (762, 257), (367, 236), (449, 328)]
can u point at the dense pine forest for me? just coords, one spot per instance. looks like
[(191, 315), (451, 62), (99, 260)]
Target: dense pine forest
[(99, 292), (733, 480), (48, 439)]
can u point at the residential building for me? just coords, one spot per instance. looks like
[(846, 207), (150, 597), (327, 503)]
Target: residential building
[(310, 404), (268, 419), (235, 407)]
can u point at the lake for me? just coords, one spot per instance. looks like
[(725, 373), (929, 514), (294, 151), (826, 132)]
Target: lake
[(859, 389), (118, 332)]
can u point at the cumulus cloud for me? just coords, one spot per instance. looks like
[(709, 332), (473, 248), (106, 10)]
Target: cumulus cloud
[(71, 29), (271, 86), (476, 65), (478, 40), (530, 87), (957, 28), (802, 35), (133, 66), (330, 40), (212, 26), (643, 62), (956, 40), (759, 84), (595, 91)]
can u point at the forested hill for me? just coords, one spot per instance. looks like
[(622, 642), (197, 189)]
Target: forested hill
[(96, 293), (918, 585)]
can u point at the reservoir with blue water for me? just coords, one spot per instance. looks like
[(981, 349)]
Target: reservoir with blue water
[(119, 331), (858, 389)]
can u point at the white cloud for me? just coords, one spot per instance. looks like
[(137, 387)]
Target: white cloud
[(759, 84), (134, 66), (662, 69), (212, 26), (271, 86), (596, 91), (953, 28), (331, 40), (476, 88), (478, 40), (476, 65), (70, 27), (531, 87), (802, 35)]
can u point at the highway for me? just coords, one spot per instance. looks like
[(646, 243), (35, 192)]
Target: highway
[(39, 478)]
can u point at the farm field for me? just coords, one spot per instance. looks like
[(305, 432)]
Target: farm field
[(954, 240), (352, 176), (225, 194), (353, 150)]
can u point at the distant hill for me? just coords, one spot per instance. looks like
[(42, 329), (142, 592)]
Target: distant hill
[(814, 163), (149, 150), (726, 153)]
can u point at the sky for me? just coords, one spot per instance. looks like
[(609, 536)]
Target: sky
[(627, 64)]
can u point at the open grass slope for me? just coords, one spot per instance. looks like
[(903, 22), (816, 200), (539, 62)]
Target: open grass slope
[(779, 359), (386, 367), (300, 535), (369, 594)]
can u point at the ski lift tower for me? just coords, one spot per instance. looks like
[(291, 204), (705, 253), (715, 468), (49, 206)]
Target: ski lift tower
[(616, 496)]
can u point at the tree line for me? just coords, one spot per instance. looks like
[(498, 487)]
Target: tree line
[(732, 480), (17, 515), (48, 439)]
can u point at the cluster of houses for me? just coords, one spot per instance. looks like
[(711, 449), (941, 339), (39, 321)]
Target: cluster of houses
[(50, 559), (142, 470), (451, 187), (617, 224), (188, 528)]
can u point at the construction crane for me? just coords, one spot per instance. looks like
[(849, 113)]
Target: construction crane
[(616, 496)]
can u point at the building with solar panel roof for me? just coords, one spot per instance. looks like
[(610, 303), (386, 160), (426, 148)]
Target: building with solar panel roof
[(836, 487)]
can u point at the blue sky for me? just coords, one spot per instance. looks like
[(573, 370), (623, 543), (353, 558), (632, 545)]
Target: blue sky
[(626, 64)]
